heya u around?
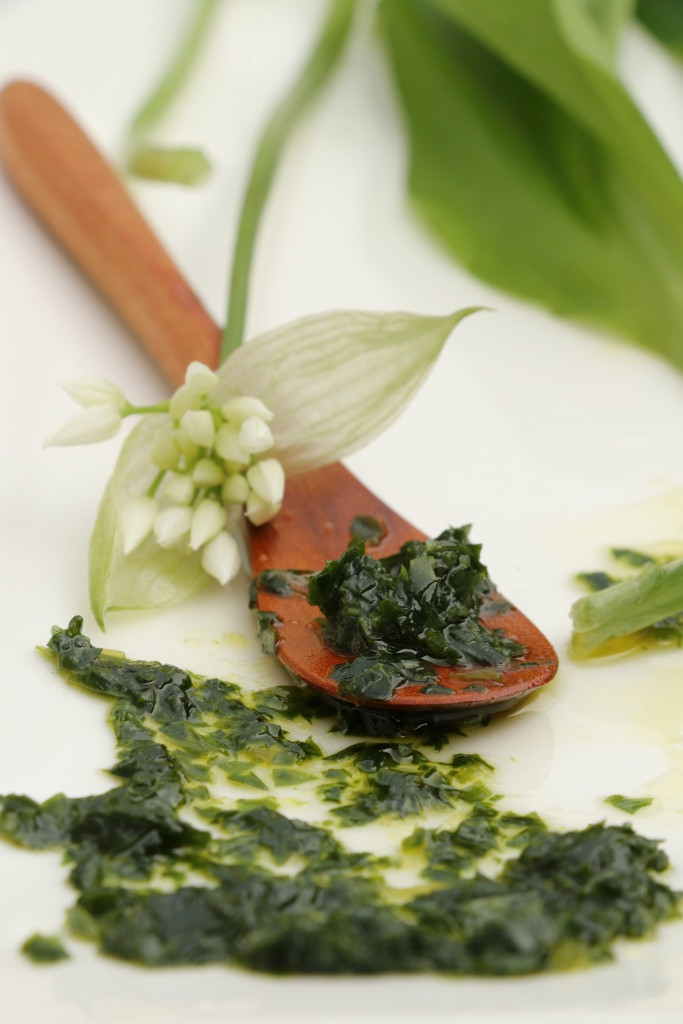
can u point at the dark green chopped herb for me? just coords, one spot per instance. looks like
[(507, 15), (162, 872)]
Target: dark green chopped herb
[(629, 804), (489, 675), (392, 613), (368, 529), (44, 949), (267, 633), (470, 761), (290, 702), (437, 688), (377, 675), (450, 853), (284, 583), (291, 777), (490, 607), (596, 580), (154, 888), (637, 559)]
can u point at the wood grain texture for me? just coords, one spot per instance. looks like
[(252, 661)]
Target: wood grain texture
[(76, 194)]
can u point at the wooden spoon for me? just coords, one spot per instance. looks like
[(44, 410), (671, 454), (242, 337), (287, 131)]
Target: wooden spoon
[(76, 194)]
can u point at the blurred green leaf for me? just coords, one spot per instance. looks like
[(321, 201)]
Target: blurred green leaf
[(664, 19), (532, 165)]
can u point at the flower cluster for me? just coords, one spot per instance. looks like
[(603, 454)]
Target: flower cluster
[(210, 461)]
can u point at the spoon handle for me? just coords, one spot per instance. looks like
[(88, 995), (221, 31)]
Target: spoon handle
[(77, 195)]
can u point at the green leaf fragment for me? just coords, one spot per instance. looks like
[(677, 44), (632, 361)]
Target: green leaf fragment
[(181, 166), (629, 804), (44, 949), (652, 596)]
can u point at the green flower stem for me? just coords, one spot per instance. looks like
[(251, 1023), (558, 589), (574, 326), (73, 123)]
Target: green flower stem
[(654, 594), (140, 410), (320, 65), (180, 67), (154, 486), (183, 166)]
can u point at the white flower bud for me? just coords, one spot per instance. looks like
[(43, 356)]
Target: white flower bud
[(259, 511), (208, 519), (200, 379), (188, 449), (94, 391), (182, 400), (267, 480), (229, 448), (137, 520), (98, 423), (208, 473), (165, 453), (237, 410), (221, 557), (198, 425), (255, 435), (171, 525), (179, 489), (235, 490)]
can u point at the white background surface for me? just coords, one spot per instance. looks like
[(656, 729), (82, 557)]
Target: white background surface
[(554, 441)]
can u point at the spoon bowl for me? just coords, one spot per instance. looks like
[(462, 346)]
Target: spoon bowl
[(314, 526)]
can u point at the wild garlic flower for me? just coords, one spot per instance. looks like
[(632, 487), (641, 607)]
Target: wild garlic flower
[(294, 399), (209, 460)]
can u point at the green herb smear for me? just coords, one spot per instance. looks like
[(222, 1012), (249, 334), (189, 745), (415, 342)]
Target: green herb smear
[(393, 613), (167, 872)]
